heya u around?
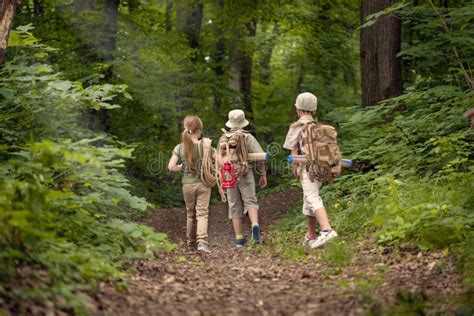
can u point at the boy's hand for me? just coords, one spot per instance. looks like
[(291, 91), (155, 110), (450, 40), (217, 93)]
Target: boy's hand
[(262, 182)]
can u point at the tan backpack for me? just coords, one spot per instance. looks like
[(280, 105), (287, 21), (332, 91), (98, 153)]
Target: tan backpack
[(322, 152), (232, 145)]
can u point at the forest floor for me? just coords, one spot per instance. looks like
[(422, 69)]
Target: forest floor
[(233, 281)]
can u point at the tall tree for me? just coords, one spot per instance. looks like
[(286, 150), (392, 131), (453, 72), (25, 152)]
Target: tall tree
[(241, 69), (110, 36), (189, 14), (101, 41), (189, 19), (7, 13), (266, 52), (219, 56), (100, 34), (169, 9), (379, 45)]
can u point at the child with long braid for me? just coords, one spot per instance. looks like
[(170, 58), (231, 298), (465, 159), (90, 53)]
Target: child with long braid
[(187, 158)]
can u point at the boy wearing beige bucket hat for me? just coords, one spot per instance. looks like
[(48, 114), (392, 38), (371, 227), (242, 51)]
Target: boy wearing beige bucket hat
[(313, 207), (242, 198)]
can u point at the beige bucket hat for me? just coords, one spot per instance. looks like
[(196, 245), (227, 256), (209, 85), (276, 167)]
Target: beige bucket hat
[(307, 102), (237, 119)]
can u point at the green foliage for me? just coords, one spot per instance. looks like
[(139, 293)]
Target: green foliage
[(416, 156), (299, 45), (412, 182), (337, 253), (286, 237), (407, 303), (65, 206)]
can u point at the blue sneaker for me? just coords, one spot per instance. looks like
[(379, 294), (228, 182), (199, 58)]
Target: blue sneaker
[(256, 234), (240, 242)]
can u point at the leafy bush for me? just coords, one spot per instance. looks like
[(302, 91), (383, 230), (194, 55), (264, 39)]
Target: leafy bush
[(64, 204)]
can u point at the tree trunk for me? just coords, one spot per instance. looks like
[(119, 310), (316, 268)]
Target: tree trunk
[(7, 13), (379, 46), (37, 7), (169, 9), (266, 53), (188, 21), (102, 46), (242, 68), (246, 71), (219, 59), (110, 36)]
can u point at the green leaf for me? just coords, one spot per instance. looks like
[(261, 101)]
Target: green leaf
[(7, 93)]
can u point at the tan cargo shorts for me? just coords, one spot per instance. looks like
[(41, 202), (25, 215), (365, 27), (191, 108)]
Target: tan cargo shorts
[(311, 199), (242, 196)]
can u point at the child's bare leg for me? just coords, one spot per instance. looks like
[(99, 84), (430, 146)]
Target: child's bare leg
[(253, 215), (322, 217), (237, 223), (311, 225)]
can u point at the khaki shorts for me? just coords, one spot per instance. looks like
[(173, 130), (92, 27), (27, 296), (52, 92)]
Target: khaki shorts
[(311, 199), (242, 197)]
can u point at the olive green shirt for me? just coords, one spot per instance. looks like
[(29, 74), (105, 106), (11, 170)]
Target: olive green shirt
[(188, 176)]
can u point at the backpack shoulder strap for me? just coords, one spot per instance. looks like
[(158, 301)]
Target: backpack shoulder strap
[(296, 124)]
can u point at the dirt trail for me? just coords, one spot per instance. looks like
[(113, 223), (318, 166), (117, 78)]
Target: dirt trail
[(231, 281)]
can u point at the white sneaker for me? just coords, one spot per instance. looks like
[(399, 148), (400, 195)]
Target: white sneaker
[(323, 238), (202, 247), (308, 241)]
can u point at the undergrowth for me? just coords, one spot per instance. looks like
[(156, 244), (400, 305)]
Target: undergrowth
[(66, 213)]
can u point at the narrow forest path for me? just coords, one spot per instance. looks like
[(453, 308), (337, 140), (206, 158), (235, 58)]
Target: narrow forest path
[(231, 281)]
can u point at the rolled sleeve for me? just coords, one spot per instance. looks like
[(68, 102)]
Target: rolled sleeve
[(252, 144), (176, 151), (293, 138)]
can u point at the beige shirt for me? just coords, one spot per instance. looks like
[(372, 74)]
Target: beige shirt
[(293, 138)]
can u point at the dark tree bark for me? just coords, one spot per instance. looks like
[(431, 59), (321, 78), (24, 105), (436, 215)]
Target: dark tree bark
[(189, 14), (101, 48), (110, 36), (242, 68), (246, 71), (379, 46), (7, 13), (188, 21), (218, 57), (266, 55), (169, 9), (101, 37), (300, 81), (37, 7)]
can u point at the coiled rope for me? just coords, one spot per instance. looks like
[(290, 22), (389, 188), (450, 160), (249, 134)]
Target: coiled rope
[(210, 175)]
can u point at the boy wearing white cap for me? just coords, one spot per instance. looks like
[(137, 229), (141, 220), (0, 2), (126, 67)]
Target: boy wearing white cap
[(313, 207), (242, 198)]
